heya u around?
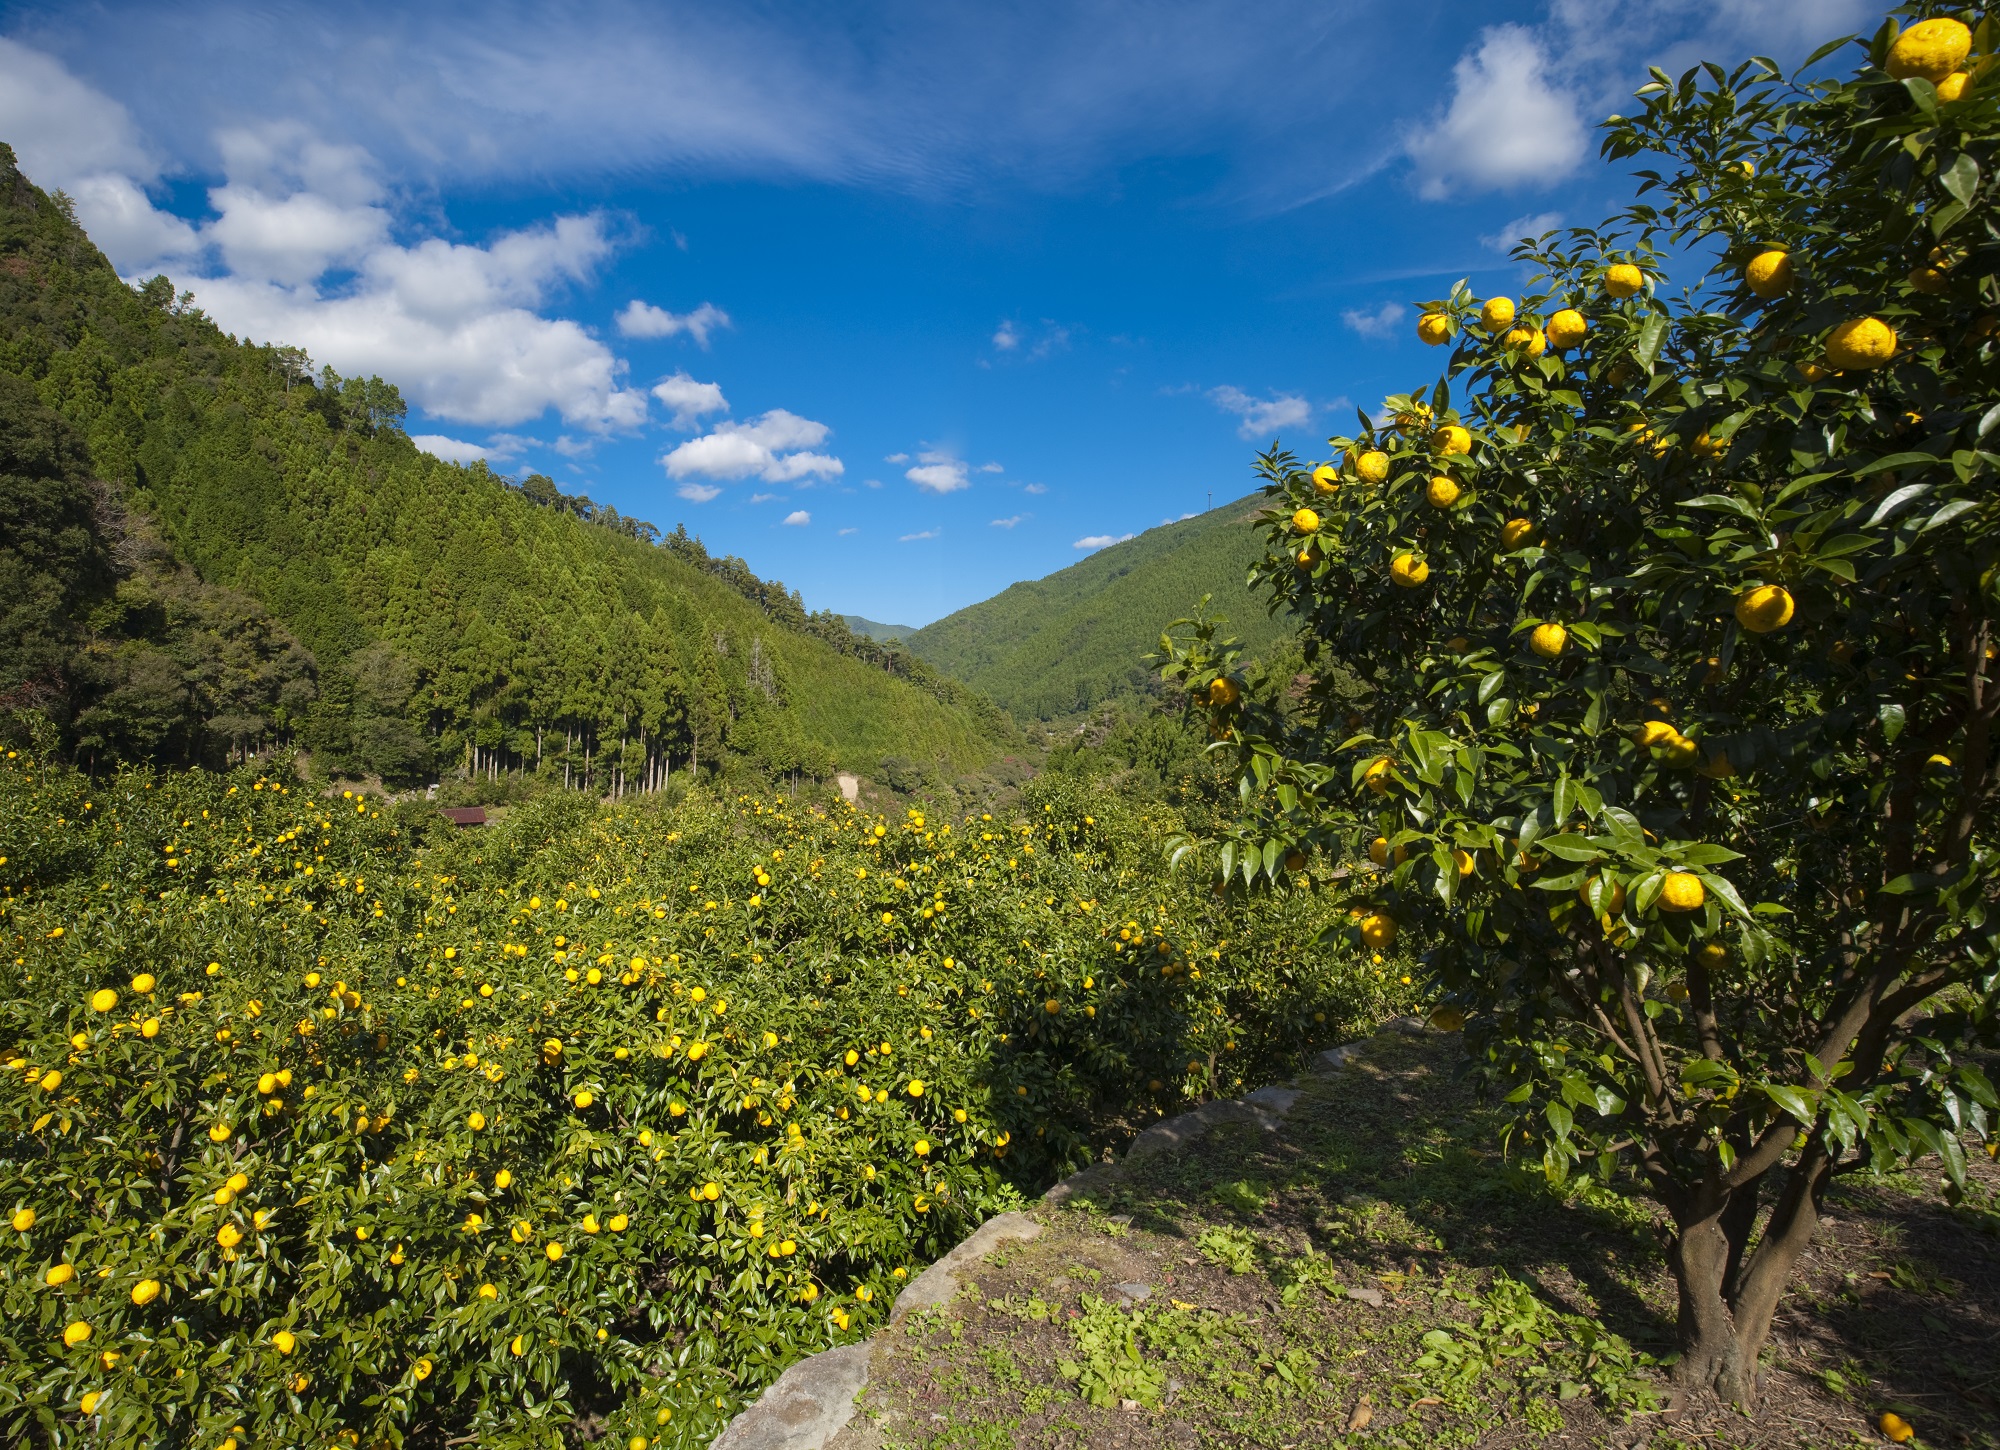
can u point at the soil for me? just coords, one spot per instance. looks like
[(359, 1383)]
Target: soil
[(1290, 1288)]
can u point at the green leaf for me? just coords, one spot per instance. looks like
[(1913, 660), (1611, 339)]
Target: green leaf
[(1891, 716), (1960, 178), (1652, 333), (1801, 1106)]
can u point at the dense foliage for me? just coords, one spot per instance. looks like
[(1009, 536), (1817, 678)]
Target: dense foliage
[(1678, 631), (321, 1119), (1054, 648), (389, 612)]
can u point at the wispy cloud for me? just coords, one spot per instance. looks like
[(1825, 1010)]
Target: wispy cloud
[(1008, 523), (1522, 228), (642, 319), (798, 518), (991, 468), (1006, 337), (697, 492), (1261, 417), (1035, 488), (843, 533), (1101, 541), (926, 534), (1383, 322)]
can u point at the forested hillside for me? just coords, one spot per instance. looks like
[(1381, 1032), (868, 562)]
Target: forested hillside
[(1061, 645), (209, 550)]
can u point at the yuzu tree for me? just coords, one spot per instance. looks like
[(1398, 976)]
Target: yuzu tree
[(1675, 613)]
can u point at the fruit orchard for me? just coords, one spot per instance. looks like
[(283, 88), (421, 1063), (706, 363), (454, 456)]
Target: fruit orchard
[(1674, 603), (329, 1126)]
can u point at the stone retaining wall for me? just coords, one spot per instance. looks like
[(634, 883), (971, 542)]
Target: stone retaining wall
[(813, 1400)]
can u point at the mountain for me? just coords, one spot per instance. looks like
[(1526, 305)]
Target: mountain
[(208, 550), (875, 629), (1059, 646)]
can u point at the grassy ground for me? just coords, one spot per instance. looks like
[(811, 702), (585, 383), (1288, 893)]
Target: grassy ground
[(1377, 1274)]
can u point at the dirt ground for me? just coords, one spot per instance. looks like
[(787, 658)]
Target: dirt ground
[(1376, 1273)]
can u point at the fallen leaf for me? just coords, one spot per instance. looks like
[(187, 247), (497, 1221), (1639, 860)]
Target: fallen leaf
[(1428, 1400), (1363, 1413)]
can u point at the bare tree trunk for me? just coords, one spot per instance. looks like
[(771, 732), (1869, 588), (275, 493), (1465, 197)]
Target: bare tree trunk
[(1728, 1295)]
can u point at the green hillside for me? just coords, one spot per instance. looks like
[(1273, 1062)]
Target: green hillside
[(210, 552), (1061, 645)]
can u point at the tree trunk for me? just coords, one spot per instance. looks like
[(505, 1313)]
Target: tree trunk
[(1728, 1295)]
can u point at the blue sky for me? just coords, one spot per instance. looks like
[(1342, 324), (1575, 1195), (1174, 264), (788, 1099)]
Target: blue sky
[(902, 302)]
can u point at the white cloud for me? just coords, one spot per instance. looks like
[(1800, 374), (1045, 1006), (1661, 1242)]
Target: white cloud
[(991, 468), (762, 497), (1507, 124), (1182, 519), (690, 401), (451, 450), (1261, 417), (938, 473), (455, 326), (1381, 323), (897, 458), (1036, 488), (843, 533), (775, 447), (1529, 226), (926, 534), (697, 492), (798, 518), (1006, 337), (125, 224), (1101, 541), (67, 135), (1007, 523), (642, 319)]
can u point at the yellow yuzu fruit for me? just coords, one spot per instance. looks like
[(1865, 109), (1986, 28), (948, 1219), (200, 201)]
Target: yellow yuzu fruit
[(1223, 692), (1373, 465), (1682, 891), (1548, 639), (1378, 931), (1622, 279), (1433, 328), (1952, 87), (1929, 50), (1442, 492), (1451, 439), (1326, 478), (1566, 329), (1514, 533), (1769, 273), (1408, 571), (1860, 344), (1305, 521), (1765, 608)]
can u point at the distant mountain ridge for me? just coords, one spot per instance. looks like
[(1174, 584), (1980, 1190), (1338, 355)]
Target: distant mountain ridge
[(1051, 648), (875, 629)]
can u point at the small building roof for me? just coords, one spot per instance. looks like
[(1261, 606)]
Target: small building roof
[(465, 815)]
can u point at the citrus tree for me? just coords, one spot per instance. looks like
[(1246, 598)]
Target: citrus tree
[(1675, 611)]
